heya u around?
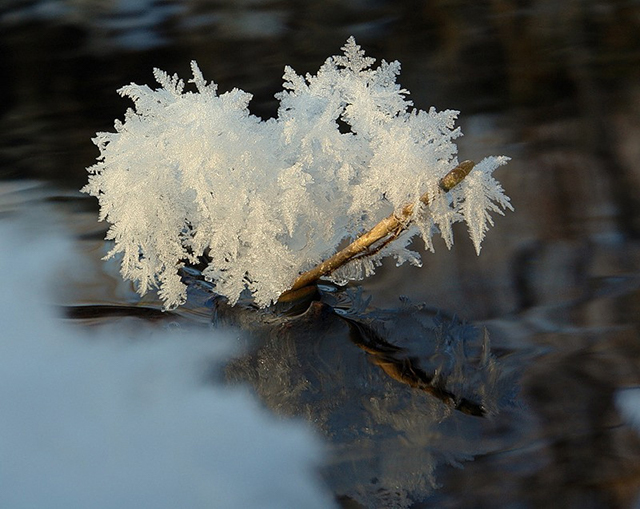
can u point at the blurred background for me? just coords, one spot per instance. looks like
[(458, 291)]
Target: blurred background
[(554, 85)]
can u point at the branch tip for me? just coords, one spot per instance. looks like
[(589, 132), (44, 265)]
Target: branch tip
[(392, 225), (455, 176)]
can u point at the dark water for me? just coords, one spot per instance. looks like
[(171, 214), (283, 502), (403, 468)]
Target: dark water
[(492, 382)]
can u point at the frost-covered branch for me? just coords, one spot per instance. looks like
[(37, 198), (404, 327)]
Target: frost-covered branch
[(193, 176), (390, 227)]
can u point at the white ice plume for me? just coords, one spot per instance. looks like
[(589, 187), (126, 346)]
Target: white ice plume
[(193, 174)]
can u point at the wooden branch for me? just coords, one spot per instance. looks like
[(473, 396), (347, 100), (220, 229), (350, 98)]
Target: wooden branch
[(391, 225)]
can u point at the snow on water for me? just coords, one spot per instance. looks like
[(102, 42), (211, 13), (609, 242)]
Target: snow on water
[(121, 416), (628, 402)]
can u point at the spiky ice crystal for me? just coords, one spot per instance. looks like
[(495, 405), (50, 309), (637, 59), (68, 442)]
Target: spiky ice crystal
[(194, 175)]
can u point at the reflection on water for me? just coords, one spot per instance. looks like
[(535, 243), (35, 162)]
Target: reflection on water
[(557, 288), (392, 390)]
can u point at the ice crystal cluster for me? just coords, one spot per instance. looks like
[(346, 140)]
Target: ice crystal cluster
[(193, 175)]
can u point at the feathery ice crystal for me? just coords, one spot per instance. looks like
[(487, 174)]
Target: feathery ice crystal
[(193, 174)]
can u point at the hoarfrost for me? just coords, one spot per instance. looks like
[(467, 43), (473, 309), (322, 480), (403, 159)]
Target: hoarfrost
[(193, 175)]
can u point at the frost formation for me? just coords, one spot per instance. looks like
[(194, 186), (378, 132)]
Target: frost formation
[(194, 175)]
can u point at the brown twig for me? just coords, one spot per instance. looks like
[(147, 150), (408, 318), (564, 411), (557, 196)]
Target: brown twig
[(391, 225)]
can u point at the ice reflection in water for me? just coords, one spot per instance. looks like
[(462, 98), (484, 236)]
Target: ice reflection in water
[(396, 392)]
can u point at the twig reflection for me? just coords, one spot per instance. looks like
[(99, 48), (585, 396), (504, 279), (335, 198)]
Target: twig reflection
[(399, 365)]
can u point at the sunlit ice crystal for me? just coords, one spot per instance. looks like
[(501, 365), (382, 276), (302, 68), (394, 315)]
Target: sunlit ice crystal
[(191, 176)]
